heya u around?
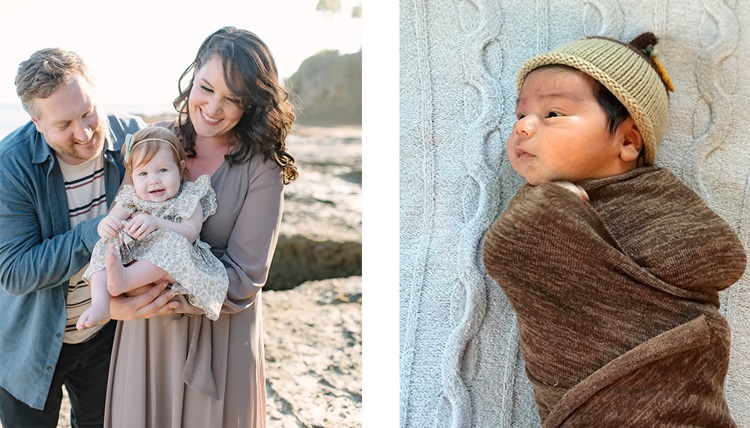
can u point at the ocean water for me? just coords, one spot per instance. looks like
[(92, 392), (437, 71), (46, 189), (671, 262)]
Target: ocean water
[(12, 115)]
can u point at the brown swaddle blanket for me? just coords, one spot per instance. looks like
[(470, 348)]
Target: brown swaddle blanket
[(617, 300)]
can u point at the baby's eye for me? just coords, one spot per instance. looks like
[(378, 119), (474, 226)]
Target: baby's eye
[(520, 116), (163, 170), (553, 114), (142, 174)]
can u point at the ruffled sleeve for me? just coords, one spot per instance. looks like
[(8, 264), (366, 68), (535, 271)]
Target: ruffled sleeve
[(194, 193), (207, 195), (127, 199)]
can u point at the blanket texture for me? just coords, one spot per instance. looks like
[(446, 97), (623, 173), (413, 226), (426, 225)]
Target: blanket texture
[(460, 360), (617, 300)]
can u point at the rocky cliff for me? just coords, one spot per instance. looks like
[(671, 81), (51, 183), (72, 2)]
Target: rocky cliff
[(327, 89)]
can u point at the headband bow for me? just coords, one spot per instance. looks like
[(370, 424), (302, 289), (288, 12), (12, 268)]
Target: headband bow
[(128, 146)]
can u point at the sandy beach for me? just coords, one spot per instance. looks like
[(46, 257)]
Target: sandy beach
[(313, 348)]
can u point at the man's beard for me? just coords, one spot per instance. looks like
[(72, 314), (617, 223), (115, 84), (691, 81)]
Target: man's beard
[(98, 136)]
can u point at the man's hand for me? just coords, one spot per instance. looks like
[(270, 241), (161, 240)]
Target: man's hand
[(152, 302)]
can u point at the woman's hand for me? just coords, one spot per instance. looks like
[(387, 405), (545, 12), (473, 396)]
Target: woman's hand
[(154, 301), (141, 225), (578, 190)]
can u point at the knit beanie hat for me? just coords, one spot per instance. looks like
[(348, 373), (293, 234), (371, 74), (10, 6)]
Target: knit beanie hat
[(630, 72)]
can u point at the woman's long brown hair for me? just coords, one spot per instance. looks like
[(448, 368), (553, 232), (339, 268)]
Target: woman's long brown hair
[(251, 74)]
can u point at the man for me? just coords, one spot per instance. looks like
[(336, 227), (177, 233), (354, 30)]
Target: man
[(58, 175)]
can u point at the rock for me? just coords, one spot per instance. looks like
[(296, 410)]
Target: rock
[(299, 258), (313, 331), (313, 348), (327, 89), (321, 230)]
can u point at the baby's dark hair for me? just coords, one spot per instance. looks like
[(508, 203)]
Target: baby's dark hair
[(613, 108)]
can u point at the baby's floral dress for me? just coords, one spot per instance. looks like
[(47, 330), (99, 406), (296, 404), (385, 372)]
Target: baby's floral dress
[(199, 274)]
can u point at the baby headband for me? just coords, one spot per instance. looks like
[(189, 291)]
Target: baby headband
[(624, 69), (129, 146)]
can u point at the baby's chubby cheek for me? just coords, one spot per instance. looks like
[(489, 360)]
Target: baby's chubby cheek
[(525, 168)]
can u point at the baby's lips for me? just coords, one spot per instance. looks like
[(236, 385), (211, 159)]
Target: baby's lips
[(521, 153)]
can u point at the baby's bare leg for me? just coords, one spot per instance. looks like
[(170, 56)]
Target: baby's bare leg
[(98, 312), (122, 279)]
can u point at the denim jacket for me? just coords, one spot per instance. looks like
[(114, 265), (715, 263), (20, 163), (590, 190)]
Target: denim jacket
[(39, 253)]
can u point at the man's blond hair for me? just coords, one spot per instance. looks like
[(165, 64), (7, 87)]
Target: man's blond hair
[(46, 70)]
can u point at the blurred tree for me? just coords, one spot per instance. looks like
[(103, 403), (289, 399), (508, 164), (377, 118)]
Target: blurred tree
[(334, 6)]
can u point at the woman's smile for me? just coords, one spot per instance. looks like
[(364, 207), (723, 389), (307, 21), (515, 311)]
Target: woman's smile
[(208, 118)]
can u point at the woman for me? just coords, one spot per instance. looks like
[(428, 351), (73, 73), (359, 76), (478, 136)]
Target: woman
[(184, 369)]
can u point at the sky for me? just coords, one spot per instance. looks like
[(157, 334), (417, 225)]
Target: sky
[(137, 49)]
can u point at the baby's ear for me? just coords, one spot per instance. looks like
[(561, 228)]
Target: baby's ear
[(632, 142)]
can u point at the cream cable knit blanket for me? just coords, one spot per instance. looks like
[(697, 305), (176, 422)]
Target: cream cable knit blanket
[(460, 362)]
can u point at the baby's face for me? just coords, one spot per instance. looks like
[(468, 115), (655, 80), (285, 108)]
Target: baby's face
[(561, 132), (158, 179)]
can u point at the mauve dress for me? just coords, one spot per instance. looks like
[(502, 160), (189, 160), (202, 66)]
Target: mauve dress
[(186, 370)]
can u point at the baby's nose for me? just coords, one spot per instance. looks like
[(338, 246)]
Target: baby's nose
[(525, 126)]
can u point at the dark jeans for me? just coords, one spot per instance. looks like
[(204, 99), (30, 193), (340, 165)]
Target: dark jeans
[(83, 369)]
